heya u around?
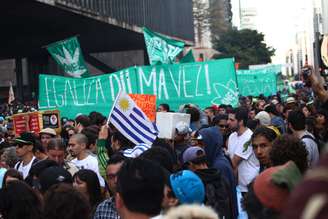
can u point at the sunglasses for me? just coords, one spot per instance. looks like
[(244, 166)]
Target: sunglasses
[(223, 126)]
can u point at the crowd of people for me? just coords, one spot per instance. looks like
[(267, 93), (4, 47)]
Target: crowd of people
[(265, 157)]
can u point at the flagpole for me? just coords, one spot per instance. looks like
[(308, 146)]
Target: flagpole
[(114, 104)]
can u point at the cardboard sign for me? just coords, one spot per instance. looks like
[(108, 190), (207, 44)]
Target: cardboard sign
[(147, 103), (36, 121), (50, 120), (20, 124), (166, 123)]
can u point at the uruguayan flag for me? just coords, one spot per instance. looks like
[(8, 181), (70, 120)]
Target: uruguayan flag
[(136, 151), (131, 121)]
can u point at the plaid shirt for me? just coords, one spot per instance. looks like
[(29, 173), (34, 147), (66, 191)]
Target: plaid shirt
[(106, 210)]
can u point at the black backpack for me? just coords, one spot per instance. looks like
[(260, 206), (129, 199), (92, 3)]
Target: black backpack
[(217, 196)]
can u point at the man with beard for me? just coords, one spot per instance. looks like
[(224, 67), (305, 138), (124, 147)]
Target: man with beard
[(232, 121), (244, 161), (77, 146)]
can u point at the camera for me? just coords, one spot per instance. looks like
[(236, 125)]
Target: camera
[(306, 72)]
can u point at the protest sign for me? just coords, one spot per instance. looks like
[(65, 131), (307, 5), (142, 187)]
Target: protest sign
[(201, 83), (257, 81), (36, 121), (20, 123), (147, 103), (51, 119), (166, 123)]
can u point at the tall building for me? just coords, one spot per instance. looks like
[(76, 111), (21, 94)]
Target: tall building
[(245, 14), (211, 18), (220, 17), (306, 24), (248, 18)]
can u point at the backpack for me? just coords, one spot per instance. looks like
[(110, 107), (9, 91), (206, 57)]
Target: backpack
[(218, 197), (313, 139)]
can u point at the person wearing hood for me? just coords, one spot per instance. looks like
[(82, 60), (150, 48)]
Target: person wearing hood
[(213, 142), (218, 192)]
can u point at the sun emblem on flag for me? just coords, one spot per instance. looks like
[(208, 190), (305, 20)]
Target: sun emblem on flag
[(124, 104)]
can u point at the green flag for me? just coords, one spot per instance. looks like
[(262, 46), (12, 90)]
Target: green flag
[(161, 49), (68, 55), (189, 57)]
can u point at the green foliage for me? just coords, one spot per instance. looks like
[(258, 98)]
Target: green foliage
[(247, 46)]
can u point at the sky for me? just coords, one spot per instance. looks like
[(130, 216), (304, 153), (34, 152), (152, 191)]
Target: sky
[(279, 20)]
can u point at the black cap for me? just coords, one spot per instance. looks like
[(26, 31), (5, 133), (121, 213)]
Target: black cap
[(54, 175), (26, 138)]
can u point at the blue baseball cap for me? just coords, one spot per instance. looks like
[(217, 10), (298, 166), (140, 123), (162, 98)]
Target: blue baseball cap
[(192, 153), (187, 187)]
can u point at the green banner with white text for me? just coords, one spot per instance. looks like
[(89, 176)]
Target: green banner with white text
[(201, 83), (257, 81)]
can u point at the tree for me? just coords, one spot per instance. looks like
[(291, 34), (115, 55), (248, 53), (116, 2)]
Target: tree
[(247, 46)]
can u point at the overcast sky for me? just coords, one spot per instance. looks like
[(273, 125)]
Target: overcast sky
[(279, 20)]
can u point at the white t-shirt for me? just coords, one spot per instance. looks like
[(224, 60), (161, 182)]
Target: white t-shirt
[(249, 167), (235, 141), (90, 163), (24, 169)]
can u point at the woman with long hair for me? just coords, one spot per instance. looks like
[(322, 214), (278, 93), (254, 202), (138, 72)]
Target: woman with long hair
[(19, 201), (64, 202), (86, 182)]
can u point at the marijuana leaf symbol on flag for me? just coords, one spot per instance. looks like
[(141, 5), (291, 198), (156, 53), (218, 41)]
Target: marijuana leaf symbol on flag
[(68, 55), (161, 49), (68, 59), (72, 61)]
